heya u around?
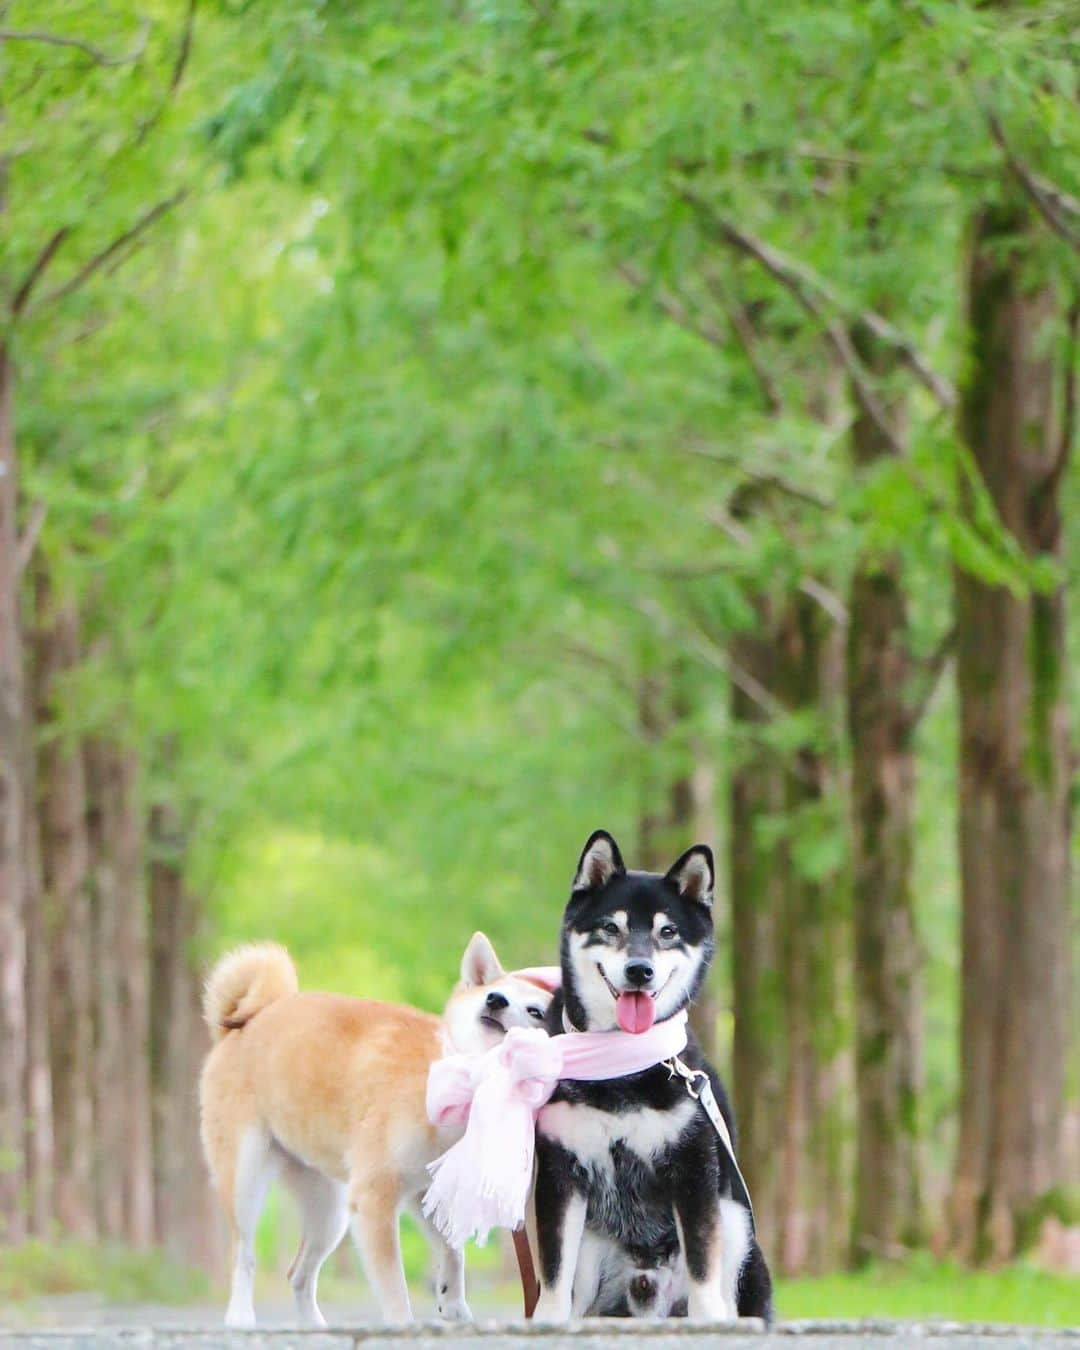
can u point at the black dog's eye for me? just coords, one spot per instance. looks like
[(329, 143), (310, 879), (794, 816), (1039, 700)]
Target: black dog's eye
[(538, 1013), (609, 927), (669, 931)]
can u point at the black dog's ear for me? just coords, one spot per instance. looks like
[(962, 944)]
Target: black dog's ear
[(695, 875), (600, 861)]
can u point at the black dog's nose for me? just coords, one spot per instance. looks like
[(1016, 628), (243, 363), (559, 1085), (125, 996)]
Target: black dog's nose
[(638, 972), (496, 1002), (643, 1288)]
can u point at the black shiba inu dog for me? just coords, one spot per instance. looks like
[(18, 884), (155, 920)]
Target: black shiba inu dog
[(634, 1165)]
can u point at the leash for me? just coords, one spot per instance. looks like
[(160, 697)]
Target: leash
[(699, 1086), (530, 1285)]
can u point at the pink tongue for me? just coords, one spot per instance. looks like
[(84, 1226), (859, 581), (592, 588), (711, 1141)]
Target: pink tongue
[(636, 1012)]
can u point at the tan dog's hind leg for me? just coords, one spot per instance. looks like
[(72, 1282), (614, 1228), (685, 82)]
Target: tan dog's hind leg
[(449, 1271), (373, 1216), (255, 1167), (324, 1217)]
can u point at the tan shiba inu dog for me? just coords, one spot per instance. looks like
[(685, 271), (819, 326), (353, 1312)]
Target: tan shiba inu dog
[(327, 1093)]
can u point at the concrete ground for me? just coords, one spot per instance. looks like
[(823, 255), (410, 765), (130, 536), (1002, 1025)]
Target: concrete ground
[(593, 1335)]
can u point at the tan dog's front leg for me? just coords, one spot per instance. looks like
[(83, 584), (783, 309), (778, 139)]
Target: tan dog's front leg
[(449, 1272), (373, 1217)]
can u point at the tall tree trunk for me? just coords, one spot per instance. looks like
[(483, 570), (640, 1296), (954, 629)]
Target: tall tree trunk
[(814, 946), (39, 1141), (186, 1219), (13, 805), (134, 946), (110, 1048), (757, 877), (1014, 755), (887, 1000), (125, 1147), (788, 929), (66, 875)]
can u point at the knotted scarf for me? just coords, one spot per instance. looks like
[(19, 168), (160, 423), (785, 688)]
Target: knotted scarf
[(483, 1181)]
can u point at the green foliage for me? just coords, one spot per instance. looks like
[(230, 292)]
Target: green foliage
[(922, 1290), (399, 451), (118, 1275)]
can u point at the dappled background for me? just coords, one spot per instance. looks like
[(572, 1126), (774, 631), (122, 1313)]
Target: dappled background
[(435, 430)]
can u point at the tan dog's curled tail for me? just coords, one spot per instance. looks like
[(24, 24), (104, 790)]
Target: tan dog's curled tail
[(245, 982)]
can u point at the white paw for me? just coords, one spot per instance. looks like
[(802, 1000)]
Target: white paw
[(455, 1310), (239, 1319), (551, 1310), (706, 1308)]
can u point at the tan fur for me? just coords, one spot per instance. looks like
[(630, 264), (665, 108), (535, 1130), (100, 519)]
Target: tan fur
[(244, 983), (332, 1079), (330, 1091)]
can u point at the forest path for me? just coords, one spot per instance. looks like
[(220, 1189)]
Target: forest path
[(583, 1336)]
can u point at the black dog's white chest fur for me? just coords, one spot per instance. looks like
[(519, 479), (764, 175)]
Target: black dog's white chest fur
[(618, 1160)]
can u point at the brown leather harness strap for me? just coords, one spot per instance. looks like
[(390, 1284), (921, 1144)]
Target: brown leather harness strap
[(530, 1285)]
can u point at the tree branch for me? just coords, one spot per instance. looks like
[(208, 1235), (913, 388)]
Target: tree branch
[(673, 307), (806, 287), (816, 590), (98, 55), (807, 293), (183, 52), (1052, 204), (1068, 402), (106, 255), (716, 657), (747, 336), (598, 661), (932, 670), (24, 549), (37, 269), (762, 477)]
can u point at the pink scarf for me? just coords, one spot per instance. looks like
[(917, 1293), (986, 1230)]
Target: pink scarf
[(483, 1181)]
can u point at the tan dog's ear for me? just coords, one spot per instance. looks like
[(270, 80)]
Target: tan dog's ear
[(479, 965)]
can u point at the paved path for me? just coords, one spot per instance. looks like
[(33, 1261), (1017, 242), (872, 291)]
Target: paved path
[(608, 1335)]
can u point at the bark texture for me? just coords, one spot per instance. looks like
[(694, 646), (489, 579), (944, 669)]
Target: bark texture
[(888, 1052), (134, 945), (13, 806), (789, 965), (110, 1049), (1014, 758), (39, 1131), (814, 947), (187, 1222), (757, 880), (67, 877), (126, 1192)]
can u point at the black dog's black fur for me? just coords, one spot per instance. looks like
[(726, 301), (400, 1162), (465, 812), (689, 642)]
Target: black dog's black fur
[(635, 1201)]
